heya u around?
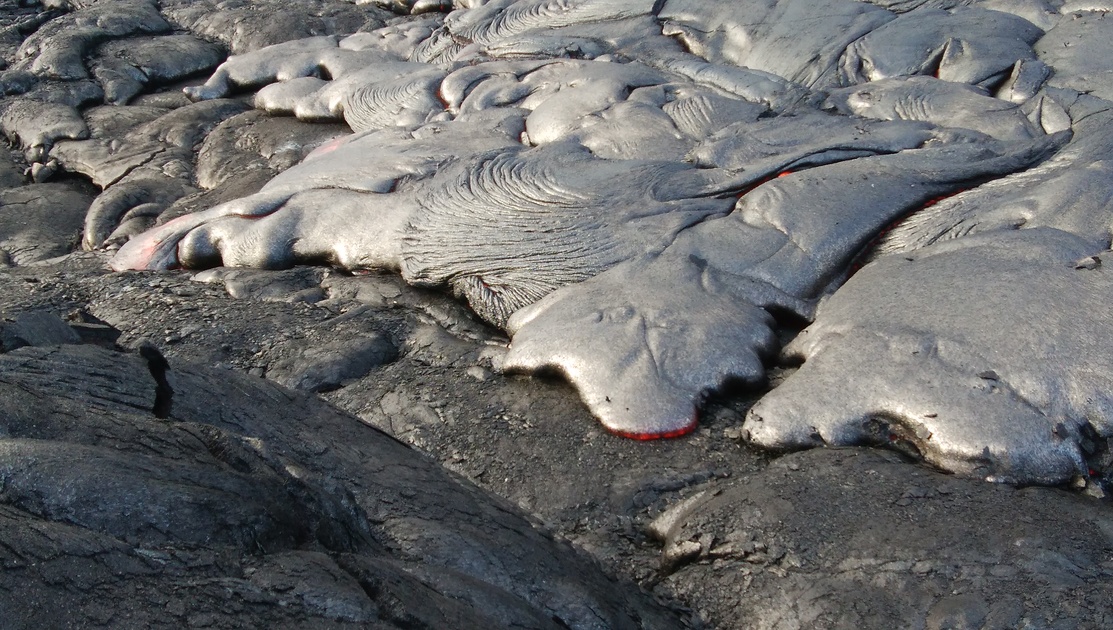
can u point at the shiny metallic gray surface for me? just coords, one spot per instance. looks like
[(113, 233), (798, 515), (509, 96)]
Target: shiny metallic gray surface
[(600, 179)]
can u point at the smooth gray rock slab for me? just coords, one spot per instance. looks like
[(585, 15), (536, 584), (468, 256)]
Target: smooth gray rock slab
[(285, 286), (261, 505), (786, 143), (35, 328), (966, 45), (787, 38), (11, 171), (56, 50), (41, 221), (36, 125), (113, 121), (943, 103), (254, 141), (1078, 66), (320, 367), (125, 66), (793, 546)]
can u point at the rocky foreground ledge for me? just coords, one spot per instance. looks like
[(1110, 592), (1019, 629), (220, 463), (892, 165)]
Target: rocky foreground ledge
[(142, 495)]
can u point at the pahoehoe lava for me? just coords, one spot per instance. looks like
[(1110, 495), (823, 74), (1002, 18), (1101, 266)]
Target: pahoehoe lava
[(596, 178), (306, 307)]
